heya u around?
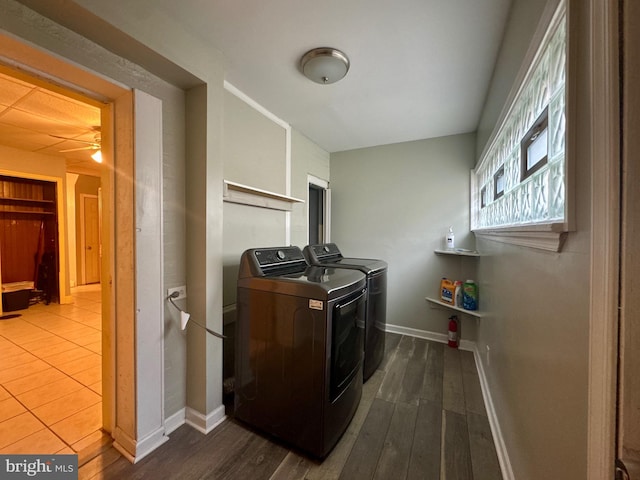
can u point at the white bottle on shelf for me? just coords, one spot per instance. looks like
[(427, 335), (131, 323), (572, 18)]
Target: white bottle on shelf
[(450, 240)]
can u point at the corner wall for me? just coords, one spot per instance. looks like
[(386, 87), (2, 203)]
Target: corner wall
[(396, 203)]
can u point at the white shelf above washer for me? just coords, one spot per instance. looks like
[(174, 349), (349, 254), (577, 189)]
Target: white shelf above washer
[(245, 195)]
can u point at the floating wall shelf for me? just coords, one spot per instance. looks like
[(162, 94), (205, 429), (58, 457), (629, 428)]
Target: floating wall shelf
[(459, 252), (245, 195), (473, 313)]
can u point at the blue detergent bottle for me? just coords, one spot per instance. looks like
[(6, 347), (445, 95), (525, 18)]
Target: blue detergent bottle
[(470, 295)]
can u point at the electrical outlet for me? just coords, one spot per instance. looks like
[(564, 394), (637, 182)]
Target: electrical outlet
[(182, 292)]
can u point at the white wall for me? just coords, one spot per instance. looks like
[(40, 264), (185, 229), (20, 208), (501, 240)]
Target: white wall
[(307, 159), (396, 203), (254, 151)]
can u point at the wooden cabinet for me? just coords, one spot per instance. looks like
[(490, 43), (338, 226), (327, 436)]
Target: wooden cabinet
[(28, 233)]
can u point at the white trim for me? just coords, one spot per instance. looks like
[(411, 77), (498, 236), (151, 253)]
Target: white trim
[(319, 182), (287, 150), (427, 335), (175, 421), (148, 342), (202, 423), (133, 450), (255, 105), (605, 237), (544, 236), (324, 184), (498, 438)]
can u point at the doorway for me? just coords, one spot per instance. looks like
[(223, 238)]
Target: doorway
[(132, 300), (319, 210), (51, 385)]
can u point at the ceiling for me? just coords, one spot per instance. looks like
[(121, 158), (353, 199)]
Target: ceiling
[(419, 68), (32, 117)]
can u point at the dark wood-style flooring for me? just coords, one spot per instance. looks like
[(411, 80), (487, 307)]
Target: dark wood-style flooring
[(422, 416)]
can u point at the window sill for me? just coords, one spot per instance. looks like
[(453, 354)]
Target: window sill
[(547, 236)]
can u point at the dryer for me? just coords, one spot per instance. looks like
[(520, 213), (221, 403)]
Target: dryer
[(299, 342), (329, 255)]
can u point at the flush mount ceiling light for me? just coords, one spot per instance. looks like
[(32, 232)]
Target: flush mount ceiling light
[(324, 65)]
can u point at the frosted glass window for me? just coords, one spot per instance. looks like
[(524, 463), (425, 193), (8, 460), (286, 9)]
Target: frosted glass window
[(535, 146), (537, 150), (524, 165), (498, 181)]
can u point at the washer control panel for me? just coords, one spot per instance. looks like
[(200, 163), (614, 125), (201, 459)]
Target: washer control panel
[(271, 256)]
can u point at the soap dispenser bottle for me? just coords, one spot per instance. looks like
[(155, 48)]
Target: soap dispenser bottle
[(450, 239)]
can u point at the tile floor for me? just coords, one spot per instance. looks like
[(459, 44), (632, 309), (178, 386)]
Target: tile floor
[(51, 377)]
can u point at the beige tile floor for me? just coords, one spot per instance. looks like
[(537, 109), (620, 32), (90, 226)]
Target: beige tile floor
[(50, 376)]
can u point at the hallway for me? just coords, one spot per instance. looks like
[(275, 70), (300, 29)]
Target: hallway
[(51, 377)]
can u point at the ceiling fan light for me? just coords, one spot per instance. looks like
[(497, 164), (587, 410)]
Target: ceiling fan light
[(324, 65), (97, 156)]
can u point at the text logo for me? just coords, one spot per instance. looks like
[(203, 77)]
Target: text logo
[(50, 467)]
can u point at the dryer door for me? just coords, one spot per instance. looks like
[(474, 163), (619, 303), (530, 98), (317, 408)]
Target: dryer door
[(347, 336)]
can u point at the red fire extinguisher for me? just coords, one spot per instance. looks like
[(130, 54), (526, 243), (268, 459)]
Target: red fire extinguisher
[(453, 331)]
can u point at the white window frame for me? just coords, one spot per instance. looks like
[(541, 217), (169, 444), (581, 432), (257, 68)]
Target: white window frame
[(543, 235)]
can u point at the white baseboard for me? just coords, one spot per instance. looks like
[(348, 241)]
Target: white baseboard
[(434, 336), (135, 450), (204, 423), (175, 421), (498, 439)]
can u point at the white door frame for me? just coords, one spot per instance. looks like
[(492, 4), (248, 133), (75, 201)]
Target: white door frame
[(605, 238), (324, 184)]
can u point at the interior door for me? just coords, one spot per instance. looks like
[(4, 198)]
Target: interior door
[(91, 240)]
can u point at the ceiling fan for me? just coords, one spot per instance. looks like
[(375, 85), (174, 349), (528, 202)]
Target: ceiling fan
[(95, 145)]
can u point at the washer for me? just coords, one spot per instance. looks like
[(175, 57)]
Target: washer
[(299, 342), (328, 254)]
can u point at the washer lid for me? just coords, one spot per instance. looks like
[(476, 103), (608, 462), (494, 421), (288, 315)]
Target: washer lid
[(367, 265), (329, 254), (323, 283)]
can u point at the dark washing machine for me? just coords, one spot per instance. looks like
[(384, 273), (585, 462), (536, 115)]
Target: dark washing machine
[(328, 254), (299, 343)]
